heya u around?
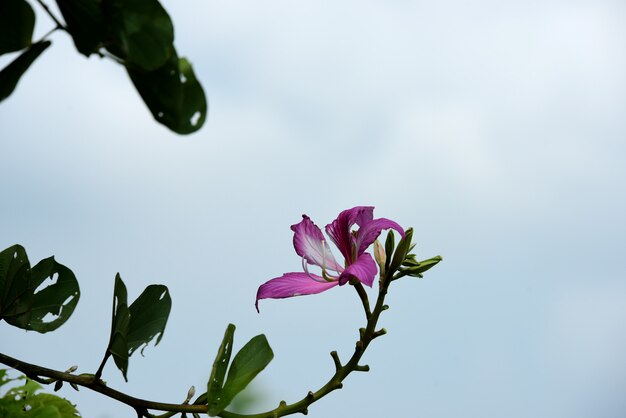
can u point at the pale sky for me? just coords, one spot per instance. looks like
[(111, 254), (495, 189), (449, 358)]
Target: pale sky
[(496, 129)]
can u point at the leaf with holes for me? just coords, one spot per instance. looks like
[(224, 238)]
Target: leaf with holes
[(17, 21), (218, 372), (24, 401), (173, 94), (142, 32), (26, 301), (11, 74), (134, 326), (148, 317)]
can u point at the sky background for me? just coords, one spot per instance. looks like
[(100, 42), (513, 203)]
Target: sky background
[(496, 129)]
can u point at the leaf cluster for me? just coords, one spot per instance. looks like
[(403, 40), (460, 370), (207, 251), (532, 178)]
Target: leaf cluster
[(23, 401), (138, 34), (248, 362), (136, 325), (399, 261)]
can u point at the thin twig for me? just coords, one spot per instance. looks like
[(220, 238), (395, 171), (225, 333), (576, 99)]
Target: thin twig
[(99, 386), (52, 16)]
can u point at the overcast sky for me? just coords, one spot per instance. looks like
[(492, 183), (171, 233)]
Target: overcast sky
[(496, 129)]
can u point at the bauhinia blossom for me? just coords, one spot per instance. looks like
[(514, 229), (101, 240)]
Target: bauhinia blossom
[(311, 245)]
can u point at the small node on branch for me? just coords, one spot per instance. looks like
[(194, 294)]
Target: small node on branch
[(74, 385), (305, 411), (335, 357), (339, 385), (58, 385), (310, 396), (362, 368), (282, 404), (379, 333), (385, 307), (359, 345), (190, 394), (361, 332), (72, 369)]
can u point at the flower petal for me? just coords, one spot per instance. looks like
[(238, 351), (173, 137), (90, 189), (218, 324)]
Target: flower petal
[(367, 233), (311, 245), (292, 284), (363, 269), (339, 229)]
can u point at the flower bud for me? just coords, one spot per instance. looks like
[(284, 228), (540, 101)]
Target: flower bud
[(190, 393), (380, 256)]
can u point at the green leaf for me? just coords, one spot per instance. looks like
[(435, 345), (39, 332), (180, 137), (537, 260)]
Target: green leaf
[(148, 317), (17, 21), (58, 299), (401, 251), (23, 401), (422, 266), (249, 361), (85, 22), (173, 94), (142, 32), (11, 74), (45, 405), (118, 344), (44, 411), (218, 372), (134, 326), (23, 304)]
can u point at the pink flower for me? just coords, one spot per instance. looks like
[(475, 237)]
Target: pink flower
[(310, 244)]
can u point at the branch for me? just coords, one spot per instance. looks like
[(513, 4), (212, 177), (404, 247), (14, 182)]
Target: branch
[(141, 406), (90, 382), (335, 382)]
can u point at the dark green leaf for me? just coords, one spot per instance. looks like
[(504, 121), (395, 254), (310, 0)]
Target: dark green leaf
[(389, 246), (26, 306), (401, 251), (17, 21), (173, 94), (11, 74), (14, 266), (148, 317), (218, 372), (118, 345), (134, 326), (58, 299), (141, 31), (249, 361), (84, 22)]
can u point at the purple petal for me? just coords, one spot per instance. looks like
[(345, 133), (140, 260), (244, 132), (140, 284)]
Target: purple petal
[(363, 269), (368, 232), (339, 229), (292, 284), (311, 245)]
